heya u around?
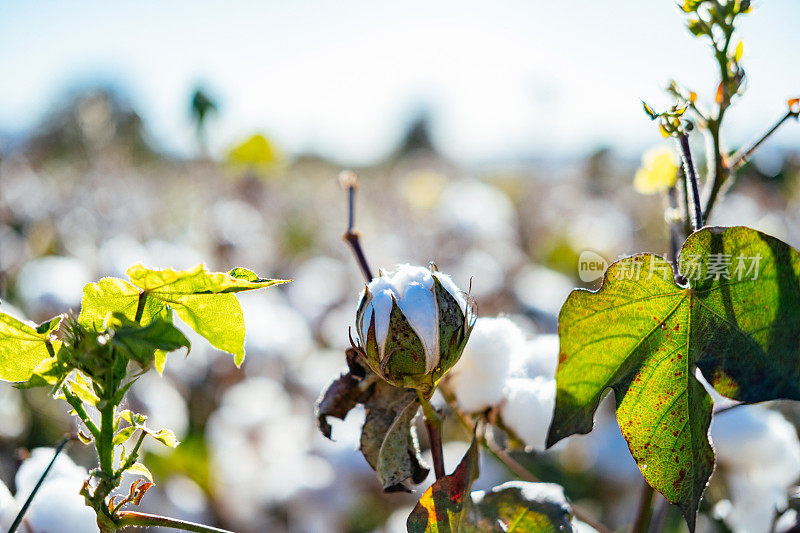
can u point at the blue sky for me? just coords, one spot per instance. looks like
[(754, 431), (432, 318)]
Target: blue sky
[(502, 79)]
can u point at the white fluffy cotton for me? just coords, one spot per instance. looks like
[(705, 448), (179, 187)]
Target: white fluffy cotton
[(759, 453), (58, 507), (412, 289), (537, 357), (479, 378), (528, 409)]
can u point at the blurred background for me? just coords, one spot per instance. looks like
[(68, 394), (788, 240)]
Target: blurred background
[(499, 140)]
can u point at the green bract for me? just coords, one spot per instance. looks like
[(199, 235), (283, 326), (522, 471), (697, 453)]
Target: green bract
[(644, 336)]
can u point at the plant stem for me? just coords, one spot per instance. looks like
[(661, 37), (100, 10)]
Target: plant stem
[(105, 444), (742, 156), (133, 518), (349, 180), (433, 423), (77, 405), (133, 455), (645, 510), (140, 306), (24, 509), (691, 175)]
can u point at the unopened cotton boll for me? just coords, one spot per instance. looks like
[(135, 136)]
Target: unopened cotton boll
[(528, 409), (479, 377), (412, 325)]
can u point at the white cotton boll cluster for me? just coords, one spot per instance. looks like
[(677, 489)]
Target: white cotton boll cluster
[(478, 379), (51, 285), (261, 452), (758, 454), (528, 409), (538, 357), (412, 288), (58, 506)]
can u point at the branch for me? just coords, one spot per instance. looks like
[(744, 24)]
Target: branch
[(742, 156), (349, 181), (434, 426), (133, 518), (691, 175)]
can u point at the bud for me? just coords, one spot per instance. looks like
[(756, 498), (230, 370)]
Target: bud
[(412, 326)]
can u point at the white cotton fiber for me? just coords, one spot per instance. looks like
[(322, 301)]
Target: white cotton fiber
[(479, 377), (537, 357), (528, 409)]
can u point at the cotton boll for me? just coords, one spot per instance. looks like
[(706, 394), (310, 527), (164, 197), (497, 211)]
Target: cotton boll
[(537, 357), (479, 377), (8, 507), (52, 284), (59, 508), (759, 455), (528, 409), (31, 470)]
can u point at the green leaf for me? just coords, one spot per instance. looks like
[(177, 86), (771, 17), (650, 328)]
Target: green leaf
[(114, 295), (124, 434), (141, 342), (443, 507), (520, 506), (140, 469), (203, 300), (389, 440), (81, 387), (22, 347), (642, 335), (164, 436)]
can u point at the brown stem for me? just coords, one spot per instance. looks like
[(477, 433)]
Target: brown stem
[(691, 174), (349, 181), (742, 156)]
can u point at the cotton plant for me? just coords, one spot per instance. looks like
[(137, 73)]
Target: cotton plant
[(415, 335), (92, 360)]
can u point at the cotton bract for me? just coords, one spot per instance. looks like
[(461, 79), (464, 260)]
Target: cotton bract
[(412, 326)]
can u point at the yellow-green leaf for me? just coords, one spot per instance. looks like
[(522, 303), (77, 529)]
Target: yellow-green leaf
[(114, 295), (739, 51), (139, 468), (22, 347)]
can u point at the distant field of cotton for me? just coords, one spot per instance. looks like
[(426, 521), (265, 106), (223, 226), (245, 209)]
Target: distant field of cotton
[(253, 335)]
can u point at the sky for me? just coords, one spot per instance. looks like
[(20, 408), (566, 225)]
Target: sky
[(501, 80)]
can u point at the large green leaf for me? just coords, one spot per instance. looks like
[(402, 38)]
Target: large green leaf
[(443, 507), (204, 300), (23, 347), (643, 335), (520, 507), (114, 295)]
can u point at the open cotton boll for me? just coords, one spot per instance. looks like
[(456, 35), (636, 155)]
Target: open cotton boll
[(759, 453), (528, 409), (8, 508), (537, 357), (479, 377), (59, 508)]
